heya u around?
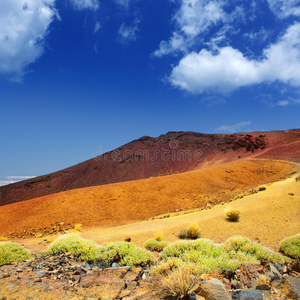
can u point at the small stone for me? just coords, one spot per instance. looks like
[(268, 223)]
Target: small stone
[(214, 289), (19, 270), (250, 294), (263, 287), (115, 265)]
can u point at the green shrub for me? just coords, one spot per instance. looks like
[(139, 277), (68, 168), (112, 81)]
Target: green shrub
[(203, 256), (126, 254), (291, 246), (203, 246), (77, 246), (262, 188), (243, 244), (193, 232), (10, 252), (155, 245)]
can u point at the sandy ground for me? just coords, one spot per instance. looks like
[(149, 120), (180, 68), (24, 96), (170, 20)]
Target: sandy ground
[(267, 216)]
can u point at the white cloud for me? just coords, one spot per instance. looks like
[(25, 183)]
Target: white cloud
[(192, 18), (283, 103), (128, 33), (233, 128), (195, 16), (85, 4), (228, 69), (124, 3), (176, 43), (97, 27), (5, 180), (258, 36), (23, 27), (285, 8)]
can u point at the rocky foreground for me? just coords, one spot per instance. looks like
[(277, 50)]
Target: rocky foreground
[(67, 277)]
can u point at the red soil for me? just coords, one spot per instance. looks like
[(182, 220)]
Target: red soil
[(127, 202), (175, 152)]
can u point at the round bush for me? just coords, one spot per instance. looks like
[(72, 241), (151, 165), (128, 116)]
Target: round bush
[(291, 246), (155, 245), (10, 252)]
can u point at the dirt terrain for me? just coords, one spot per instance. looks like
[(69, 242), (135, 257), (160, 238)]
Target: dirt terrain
[(127, 202), (171, 153), (267, 216)]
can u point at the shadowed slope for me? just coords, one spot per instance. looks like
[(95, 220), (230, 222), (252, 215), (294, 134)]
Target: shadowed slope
[(127, 202), (174, 152)]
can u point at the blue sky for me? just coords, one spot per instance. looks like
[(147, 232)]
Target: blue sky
[(79, 77)]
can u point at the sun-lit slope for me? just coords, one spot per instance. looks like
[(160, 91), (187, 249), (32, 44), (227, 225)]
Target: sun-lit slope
[(171, 153), (127, 202)]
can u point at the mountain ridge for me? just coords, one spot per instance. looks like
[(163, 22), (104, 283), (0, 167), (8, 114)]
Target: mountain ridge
[(170, 153)]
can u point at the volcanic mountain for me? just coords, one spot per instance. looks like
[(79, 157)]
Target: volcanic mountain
[(174, 152)]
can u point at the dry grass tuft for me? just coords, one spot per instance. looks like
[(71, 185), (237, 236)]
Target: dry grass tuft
[(3, 239), (78, 227), (232, 215), (181, 283), (193, 232), (263, 279), (159, 236)]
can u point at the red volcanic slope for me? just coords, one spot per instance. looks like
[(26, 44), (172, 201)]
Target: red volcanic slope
[(174, 152)]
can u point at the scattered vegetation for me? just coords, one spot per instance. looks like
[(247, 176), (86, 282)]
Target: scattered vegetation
[(202, 255), (262, 188), (232, 215), (10, 252), (125, 254), (292, 194), (77, 246), (48, 186), (181, 283), (155, 245), (237, 197), (291, 246), (242, 244), (77, 227), (193, 232)]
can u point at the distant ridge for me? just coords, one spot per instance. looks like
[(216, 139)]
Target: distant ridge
[(174, 152)]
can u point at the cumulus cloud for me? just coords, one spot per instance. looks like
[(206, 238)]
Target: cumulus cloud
[(23, 27), (128, 33), (192, 18), (233, 128), (85, 4), (285, 8), (228, 69)]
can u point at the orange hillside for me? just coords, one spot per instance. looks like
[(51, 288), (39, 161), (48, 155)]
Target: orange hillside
[(126, 202)]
